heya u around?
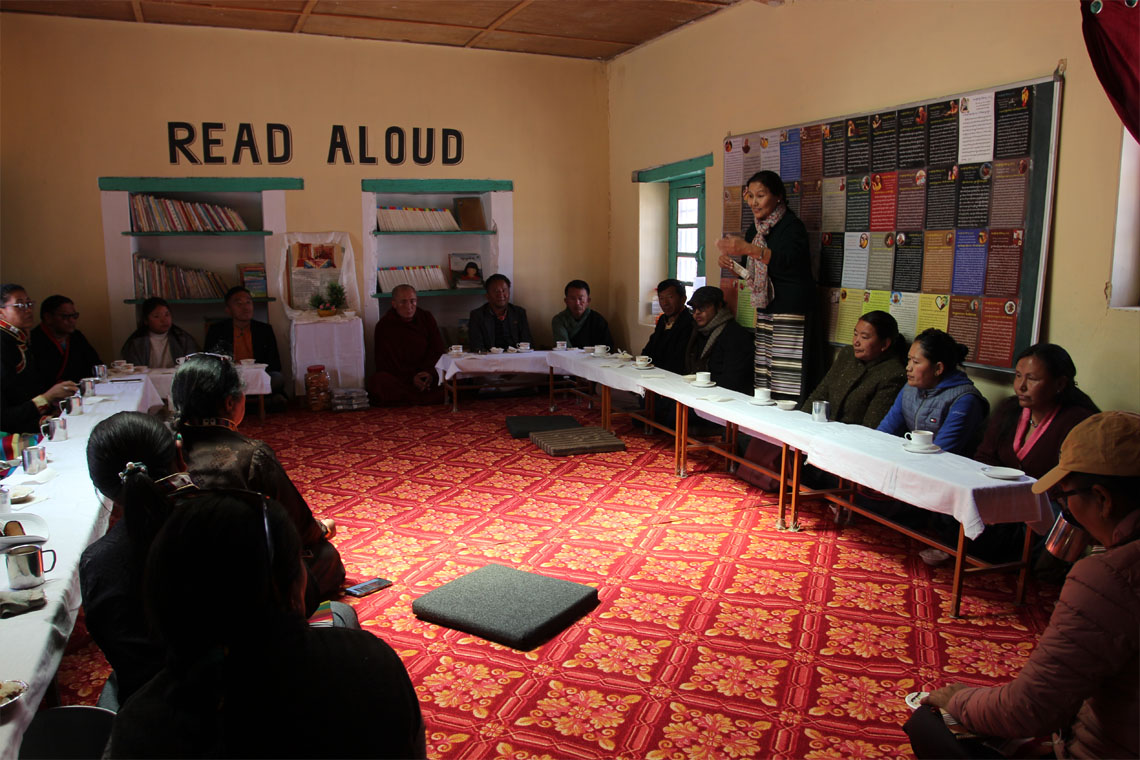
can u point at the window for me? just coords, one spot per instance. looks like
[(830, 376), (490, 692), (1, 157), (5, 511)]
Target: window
[(686, 230)]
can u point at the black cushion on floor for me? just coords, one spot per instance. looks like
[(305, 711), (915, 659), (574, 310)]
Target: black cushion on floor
[(522, 426), (507, 606)]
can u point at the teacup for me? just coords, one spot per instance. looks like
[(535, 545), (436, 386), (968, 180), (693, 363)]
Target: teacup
[(559, 345), (119, 363), (524, 346), (762, 394), (248, 362), (601, 350), (455, 350), (127, 367), (920, 439), (704, 378), (642, 360)]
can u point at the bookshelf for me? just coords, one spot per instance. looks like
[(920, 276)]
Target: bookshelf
[(259, 201), (390, 248)]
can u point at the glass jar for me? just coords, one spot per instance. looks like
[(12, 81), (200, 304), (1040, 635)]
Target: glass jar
[(318, 389)]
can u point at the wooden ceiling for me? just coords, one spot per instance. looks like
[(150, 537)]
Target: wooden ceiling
[(596, 29)]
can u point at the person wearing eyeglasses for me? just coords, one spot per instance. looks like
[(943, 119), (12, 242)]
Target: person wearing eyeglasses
[(23, 400), (62, 352), (244, 677), (1083, 679), (209, 401)]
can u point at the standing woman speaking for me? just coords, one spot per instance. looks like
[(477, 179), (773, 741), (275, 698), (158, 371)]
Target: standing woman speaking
[(777, 268)]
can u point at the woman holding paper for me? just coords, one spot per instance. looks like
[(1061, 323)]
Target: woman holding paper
[(774, 260)]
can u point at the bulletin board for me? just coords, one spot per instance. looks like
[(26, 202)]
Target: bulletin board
[(938, 212)]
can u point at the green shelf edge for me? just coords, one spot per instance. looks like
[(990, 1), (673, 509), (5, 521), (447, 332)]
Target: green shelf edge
[(436, 185), (259, 299), (434, 232), (200, 184), (448, 292), (225, 233)]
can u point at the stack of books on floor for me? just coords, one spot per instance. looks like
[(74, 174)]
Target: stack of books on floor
[(349, 399)]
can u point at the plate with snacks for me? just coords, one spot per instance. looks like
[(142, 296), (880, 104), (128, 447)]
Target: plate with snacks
[(11, 690), (19, 529)]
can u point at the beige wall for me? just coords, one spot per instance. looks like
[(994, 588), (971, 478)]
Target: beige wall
[(83, 99), (754, 67)]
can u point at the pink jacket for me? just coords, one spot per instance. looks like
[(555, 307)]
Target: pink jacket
[(1084, 673)]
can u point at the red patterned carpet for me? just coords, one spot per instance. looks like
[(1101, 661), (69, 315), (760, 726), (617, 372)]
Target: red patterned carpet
[(716, 637)]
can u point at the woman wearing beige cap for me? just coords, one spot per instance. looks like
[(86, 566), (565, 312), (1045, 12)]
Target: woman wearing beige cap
[(1083, 679)]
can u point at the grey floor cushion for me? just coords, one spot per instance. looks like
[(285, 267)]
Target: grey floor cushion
[(507, 606), (521, 426)]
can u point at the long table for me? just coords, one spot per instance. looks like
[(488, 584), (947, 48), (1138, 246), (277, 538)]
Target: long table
[(32, 644), (943, 483), (254, 375)]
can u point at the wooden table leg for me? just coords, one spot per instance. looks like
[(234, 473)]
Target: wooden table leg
[(681, 438), (607, 409), (455, 393), (730, 431), (797, 457), (1023, 573), (650, 409), (959, 574), (782, 501)]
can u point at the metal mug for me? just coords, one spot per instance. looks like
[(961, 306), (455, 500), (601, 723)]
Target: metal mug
[(34, 459), (87, 386), (54, 429), (26, 566), (1067, 540), (73, 405), (100, 371), (820, 410)]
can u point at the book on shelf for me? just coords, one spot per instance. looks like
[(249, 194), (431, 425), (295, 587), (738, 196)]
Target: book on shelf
[(419, 277), (154, 277), (253, 279), (152, 214), (466, 270), (408, 219), (469, 212), (312, 267)]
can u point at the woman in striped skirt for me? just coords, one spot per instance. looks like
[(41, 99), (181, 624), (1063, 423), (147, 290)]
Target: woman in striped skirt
[(774, 259)]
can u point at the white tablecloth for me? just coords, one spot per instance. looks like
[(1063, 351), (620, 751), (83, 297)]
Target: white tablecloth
[(465, 365), (255, 377), (337, 343), (32, 644), (616, 373)]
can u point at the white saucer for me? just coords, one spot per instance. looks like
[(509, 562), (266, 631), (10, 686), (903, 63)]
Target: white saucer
[(710, 384), (714, 397), (1003, 473), (931, 449), (769, 402), (20, 494), (523, 350), (643, 366), (496, 350)]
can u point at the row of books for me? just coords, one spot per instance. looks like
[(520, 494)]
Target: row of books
[(253, 279), (152, 214), (420, 278), (406, 219), (157, 278)]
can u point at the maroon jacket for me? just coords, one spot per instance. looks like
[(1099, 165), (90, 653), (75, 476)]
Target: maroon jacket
[(997, 449), (1085, 672)]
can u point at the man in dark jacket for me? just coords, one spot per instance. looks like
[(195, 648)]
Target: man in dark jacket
[(61, 350), (578, 324), (243, 337), (666, 347), (497, 323)]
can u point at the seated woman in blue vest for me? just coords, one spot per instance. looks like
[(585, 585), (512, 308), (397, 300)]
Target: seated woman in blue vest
[(938, 396)]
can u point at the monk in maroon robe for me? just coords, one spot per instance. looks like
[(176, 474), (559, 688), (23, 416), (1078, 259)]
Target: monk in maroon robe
[(408, 345)]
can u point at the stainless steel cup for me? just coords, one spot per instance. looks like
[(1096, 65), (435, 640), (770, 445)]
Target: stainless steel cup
[(73, 405), (26, 566), (54, 429), (87, 386), (1067, 540), (100, 371), (820, 410), (34, 459)]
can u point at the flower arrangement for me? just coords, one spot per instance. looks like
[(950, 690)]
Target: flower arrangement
[(328, 302)]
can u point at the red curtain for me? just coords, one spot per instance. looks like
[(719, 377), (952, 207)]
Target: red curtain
[(1112, 37)]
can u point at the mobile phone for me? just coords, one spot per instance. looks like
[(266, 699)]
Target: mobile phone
[(367, 587)]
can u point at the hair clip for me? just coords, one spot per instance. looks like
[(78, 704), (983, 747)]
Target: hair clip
[(131, 468)]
